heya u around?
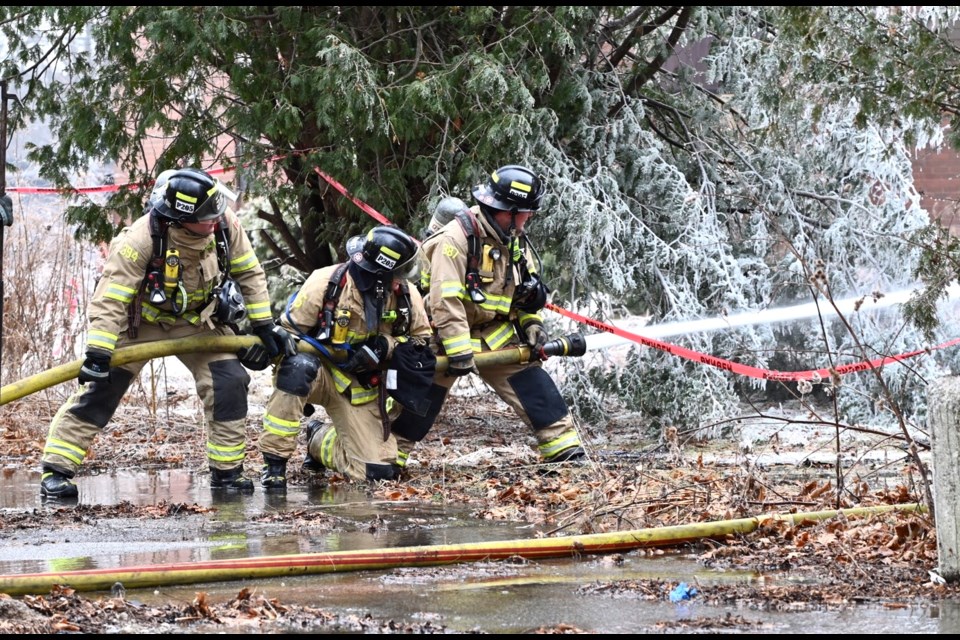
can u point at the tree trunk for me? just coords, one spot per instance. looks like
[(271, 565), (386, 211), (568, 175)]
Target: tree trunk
[(944, 421)]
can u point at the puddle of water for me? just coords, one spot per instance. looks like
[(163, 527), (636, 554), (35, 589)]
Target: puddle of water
[(228, 530), (545, 594), (491, 597)]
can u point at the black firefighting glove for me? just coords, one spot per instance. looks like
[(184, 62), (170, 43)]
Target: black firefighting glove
[(255, 357), (368, 356), (276, 339), (96, 367), (536, 335), (461, 365)]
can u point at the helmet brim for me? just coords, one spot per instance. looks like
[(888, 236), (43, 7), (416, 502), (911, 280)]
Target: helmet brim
[(484, 195)]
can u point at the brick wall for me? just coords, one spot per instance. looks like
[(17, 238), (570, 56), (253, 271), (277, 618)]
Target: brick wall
[(937, 176)]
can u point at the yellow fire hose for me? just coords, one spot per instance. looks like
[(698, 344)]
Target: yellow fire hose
[(161, 348), (422, 556)]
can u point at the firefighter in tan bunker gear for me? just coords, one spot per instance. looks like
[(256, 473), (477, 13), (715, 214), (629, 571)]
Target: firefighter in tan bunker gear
[(185, 268), (490, 302), (367, 321)]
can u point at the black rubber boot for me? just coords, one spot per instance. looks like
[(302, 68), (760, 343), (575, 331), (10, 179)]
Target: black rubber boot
[(274, 474), (56, 484), (309, 462), (230, 480)]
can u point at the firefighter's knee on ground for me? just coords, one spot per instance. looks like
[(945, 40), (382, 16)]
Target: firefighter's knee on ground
[(381, 471), (296, 374)]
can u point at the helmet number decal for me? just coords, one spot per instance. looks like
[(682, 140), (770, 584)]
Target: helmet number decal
[(186, 207), (385, 261)]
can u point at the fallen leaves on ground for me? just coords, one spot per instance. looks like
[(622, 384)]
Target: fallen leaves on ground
[(884, 558)]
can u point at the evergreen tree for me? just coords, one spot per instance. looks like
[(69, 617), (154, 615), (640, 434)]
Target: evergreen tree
[(700, 161)]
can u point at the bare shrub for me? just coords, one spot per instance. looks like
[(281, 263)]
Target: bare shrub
[(48, 280)]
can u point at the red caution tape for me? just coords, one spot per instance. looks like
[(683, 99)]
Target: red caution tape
[(103, 188), (689, 354), (370, 211), (734, 367)]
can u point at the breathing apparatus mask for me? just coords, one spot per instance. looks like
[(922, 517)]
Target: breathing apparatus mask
[(531, 294), (230, 308)]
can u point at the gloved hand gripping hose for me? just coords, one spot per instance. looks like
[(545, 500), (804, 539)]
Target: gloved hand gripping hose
[(229, 344)]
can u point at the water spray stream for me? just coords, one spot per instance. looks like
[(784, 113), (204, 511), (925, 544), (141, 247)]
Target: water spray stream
[(752, 318)]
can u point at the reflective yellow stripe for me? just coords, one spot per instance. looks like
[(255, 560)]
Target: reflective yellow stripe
[(153, 315), (496, 304), (244, 263), (326, 448), (281, 427), (65, 449), (259, 311), (453, 289), (457, 344), (564, 441), (501, 336), (340, 379), (359, 395), (226, 454), (102, 339), (520, 186), (515, 249), (526, 318), (119, 292)]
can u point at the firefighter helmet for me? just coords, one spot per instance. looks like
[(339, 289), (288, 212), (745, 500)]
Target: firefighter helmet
[(511, 188), (385, 251), (188, 195)]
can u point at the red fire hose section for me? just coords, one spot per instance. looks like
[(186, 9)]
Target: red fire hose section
[(695, 356)]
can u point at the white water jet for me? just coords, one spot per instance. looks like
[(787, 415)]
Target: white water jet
[(748, 318)]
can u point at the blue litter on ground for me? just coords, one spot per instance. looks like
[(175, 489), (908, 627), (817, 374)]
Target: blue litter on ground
[(682, 592)]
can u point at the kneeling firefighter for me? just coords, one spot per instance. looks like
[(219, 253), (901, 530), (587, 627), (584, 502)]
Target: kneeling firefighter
[(185, 268), (371, 329), (483, 292)]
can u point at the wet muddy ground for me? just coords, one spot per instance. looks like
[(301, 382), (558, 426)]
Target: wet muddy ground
[(145, 500)]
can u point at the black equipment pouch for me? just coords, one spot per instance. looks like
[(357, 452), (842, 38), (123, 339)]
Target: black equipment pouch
[(409, 375)]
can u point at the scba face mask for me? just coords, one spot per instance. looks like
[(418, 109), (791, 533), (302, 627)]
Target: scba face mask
[(531, 295), (230, 306)]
